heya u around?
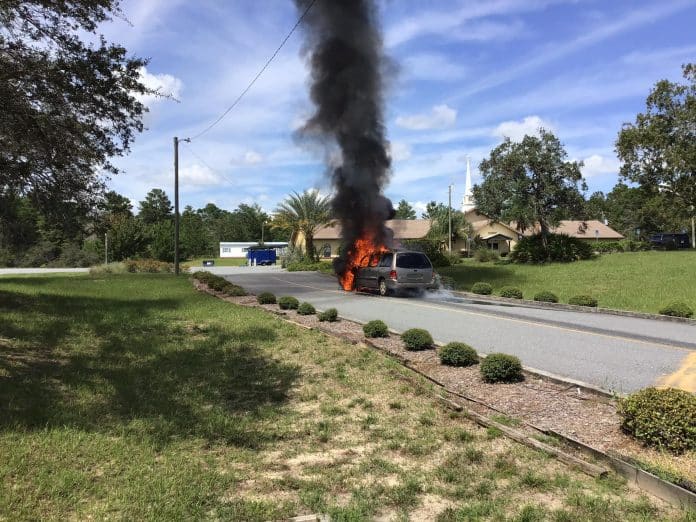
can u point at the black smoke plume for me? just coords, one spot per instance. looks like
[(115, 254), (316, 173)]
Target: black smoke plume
[(344, 47)]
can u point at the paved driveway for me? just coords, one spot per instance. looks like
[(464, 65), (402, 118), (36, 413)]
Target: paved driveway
[(612, 352)]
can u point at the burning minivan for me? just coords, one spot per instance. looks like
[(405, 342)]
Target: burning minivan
[(395, 271)]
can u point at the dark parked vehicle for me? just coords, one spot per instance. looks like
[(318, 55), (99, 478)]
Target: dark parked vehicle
[(392, 272), (670, 241)]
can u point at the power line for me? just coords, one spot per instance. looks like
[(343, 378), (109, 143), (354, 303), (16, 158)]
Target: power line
[(258, 75), (205, 163)]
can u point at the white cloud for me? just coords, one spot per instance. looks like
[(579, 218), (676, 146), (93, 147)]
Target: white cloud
[(450, 22), (596, 165), (516, 130), (198, 175), (399, 151), (439, 117), (432, 67), (660, 55), (420, 207), (486, 31), (557, 50), (252, 157), (164, 84)]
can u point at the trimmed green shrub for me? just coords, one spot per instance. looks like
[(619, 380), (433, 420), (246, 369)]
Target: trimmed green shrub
[(677, 309), (266, 298), (458, 354), (664, 418), (561, 248), (218, 284), (287, 302), (148, 266), (482, 289), (546, 297), (632, 245), (376, 328), (111, 268), (607, 247), (329, 315), (303, 266), (306, 309), (485, 255), (234, 290), (583, 300), (417, 339), (511, 292), (501, 367)]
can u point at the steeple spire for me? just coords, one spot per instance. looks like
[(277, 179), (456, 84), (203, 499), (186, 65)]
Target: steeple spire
[(468, 202)]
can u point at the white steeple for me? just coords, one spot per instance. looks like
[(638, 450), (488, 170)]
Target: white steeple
[(468, 202)]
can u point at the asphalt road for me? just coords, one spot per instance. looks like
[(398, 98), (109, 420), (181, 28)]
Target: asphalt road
[(28, 271), (615, 353)]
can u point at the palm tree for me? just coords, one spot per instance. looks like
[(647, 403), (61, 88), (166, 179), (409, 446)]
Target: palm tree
[(303, 214)]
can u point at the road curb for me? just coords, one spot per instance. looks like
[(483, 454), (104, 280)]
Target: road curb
[(572, 308)]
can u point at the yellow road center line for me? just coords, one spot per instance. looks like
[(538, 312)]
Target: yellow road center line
[(510, 319), (685, 377)]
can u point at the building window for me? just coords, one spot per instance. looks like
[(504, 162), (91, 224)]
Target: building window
[(326, 250), (226, 250), (494, 245)]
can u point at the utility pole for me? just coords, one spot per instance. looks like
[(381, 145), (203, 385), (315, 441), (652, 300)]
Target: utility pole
[(263, 224), (449, 217), (106, 248), (176, 203)]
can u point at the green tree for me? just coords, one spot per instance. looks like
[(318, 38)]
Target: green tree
[(161, 240), (115, 203), (247, 221), (302, 214), (127, 236), (659, 149), (638, 212), (596, 206), (530, 182), (194, 237), (438, 214), (404, 210), (156, 207), (70, 99)]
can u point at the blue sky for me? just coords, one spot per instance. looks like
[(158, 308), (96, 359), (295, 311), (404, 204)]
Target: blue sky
[(470, 72)]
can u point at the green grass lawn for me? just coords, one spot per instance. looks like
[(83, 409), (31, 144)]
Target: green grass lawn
[(134, 397), (642, 281), (219, 261)]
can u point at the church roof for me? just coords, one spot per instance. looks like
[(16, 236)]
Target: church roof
[(402, 228), (590, 229)]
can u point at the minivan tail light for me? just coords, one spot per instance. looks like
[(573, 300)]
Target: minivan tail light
[(392, 275)]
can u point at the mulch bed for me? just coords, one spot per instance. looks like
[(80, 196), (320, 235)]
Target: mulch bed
[(545, 405)]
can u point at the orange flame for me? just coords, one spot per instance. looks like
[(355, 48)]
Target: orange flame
[(359, 255)]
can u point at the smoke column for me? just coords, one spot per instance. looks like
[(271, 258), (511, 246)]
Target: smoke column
[(344, 48)]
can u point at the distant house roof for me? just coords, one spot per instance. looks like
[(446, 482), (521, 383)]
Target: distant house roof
[(590, 229), (402, 228)]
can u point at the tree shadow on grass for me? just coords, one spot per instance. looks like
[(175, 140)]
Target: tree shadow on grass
[(144, 376)]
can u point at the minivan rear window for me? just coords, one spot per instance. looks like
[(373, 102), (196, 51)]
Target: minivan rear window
[(412, 260)]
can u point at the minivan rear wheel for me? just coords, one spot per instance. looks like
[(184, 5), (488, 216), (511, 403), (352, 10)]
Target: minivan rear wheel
[(383, 290)]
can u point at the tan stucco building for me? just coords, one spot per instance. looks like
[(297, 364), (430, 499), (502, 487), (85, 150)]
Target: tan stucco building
[(499, 237), (327, 239)]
